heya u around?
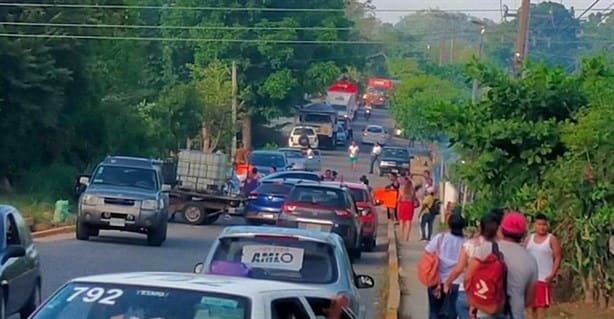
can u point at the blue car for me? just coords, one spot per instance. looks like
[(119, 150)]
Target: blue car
[(264, 203), (264, 160), (310, 176)]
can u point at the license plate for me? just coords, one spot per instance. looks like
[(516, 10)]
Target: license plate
[(315, 227), (267, 215), (118, 222), (395, 170)]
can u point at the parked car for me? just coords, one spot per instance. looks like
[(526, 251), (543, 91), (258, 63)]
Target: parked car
[(264, 203), (375, 133), (183, 295), (303, 136), (20, 273), (127, 194), (368, 212), (314, 161), (304, 175), (342, 137), (394, 160), (327, 208), (264, 160), (311, 258)]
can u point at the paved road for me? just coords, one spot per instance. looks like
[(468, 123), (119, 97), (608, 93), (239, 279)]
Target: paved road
[(63, 257)]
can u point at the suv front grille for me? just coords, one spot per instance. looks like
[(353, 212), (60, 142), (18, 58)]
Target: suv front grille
[(119, 201)]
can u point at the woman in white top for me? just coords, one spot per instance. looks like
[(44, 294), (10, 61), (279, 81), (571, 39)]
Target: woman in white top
[(489, 224)]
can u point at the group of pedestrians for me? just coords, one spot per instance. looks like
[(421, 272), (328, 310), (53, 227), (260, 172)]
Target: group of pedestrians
[(498, 274)]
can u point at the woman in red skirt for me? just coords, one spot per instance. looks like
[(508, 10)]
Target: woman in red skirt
[(405, 209)]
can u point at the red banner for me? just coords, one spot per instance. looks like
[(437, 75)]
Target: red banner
[(380, 83)]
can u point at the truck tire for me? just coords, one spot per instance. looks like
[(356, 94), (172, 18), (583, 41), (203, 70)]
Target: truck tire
[(194, 214), (83, 231), (156, 236), (303, 141)]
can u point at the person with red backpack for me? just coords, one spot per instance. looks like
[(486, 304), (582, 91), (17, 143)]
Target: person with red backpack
[(488, 228), (501, 277)]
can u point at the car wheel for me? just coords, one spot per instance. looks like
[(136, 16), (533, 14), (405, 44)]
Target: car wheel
[(370, 244), (356, 253), (380, 172), (2, 305), (33, 302), (83, 231), (156, 236), (94, 231), (210, 218), (194, 214)]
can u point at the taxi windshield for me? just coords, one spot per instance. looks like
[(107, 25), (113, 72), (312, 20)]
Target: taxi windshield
[(280, 258), (109, 301)]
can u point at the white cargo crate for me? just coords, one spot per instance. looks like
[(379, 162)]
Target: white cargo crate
[(201, 172)]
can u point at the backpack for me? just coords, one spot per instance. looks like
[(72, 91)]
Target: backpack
[(436, 208), (485, 284), (428, 266)]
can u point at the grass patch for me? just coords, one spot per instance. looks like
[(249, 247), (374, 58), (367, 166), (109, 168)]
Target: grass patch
[(38, 207)]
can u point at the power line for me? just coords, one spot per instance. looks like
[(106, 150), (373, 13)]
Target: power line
[(102, 37), (588, 9), (132, 26), (207, 8)]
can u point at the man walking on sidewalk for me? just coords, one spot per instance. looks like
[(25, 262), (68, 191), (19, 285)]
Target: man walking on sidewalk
[(375, 153)]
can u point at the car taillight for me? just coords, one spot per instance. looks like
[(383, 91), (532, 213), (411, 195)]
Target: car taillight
[(288, 209), (343, 212), (252, 195)]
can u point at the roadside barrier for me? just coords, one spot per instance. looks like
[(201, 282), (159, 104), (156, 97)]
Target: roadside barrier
[(393, 301)]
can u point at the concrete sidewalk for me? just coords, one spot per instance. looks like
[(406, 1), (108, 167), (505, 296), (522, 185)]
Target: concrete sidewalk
[(414, 301)]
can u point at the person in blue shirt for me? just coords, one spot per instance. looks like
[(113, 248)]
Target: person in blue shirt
[(252, 181)]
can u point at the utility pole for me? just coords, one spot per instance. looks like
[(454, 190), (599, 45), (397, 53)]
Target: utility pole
[(520, 50), (233, 150), (474, 92)]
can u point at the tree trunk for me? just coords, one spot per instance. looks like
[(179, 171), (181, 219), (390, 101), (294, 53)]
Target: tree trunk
[(588, 286), (205, 140), (246, 131)]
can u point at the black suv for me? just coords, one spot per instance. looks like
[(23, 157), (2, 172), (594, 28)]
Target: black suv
[(327, 208), (394, 160)]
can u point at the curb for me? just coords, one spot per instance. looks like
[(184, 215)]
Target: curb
[(394, 289), (54, 231)]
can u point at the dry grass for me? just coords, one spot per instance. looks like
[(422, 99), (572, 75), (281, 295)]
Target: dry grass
[(578, 310)]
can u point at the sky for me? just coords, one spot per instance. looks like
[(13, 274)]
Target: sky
[(394, 17)]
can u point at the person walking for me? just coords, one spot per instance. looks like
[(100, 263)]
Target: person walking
[(487, 232), (353, 155), (447, 246), (393, 186), (426, 216), (546, 249), (375, 153), (405, 209)]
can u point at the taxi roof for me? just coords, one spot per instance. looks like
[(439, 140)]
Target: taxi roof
[(348, 185), (237, 231), (240, 286)]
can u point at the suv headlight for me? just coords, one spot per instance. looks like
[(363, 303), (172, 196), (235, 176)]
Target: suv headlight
[(92, 200), (150, 204)]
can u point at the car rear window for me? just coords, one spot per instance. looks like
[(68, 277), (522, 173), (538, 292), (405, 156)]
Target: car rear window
[(303, 131), (293, 154), (374, 129), (318, 195), (281, 259), (360, 195), (273, 188)]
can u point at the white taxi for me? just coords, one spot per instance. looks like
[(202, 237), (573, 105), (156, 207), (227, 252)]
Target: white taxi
[(164, 295)]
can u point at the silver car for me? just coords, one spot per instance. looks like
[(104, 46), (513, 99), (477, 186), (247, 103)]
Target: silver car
[(375, 133), (289, 255)]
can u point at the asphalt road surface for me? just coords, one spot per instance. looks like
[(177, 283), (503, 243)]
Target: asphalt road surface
[(63, 257)]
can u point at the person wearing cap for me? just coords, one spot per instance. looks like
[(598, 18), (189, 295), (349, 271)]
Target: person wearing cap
[(522, 273), (425, 217)]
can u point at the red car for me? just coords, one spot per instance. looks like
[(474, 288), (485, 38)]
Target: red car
[(368, 212)]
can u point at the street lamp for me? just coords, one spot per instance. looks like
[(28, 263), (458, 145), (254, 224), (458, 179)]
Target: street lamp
[(474, 91)]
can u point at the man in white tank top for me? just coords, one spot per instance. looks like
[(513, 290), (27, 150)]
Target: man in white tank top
[(546, 249)]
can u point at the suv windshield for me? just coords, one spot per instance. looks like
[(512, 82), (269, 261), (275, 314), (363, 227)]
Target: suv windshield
[(276, 188), (126, 176), (101, 300), (339, 107), (281, 259), (317, 118), (303, 131), (267, 159), (395, 152), (318, 195), (360, 195)]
